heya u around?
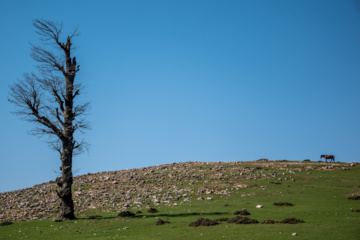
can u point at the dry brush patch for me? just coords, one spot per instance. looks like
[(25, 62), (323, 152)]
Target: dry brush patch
[(203, 222)]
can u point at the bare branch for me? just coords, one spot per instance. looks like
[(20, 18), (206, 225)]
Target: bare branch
[(48, 60), (26, 96), (49, 30), (80, 147)]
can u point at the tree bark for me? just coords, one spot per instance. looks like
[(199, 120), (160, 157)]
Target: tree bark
[(65, 183)]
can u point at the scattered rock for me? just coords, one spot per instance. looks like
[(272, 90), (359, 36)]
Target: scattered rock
[(294, 234), (259, 206)]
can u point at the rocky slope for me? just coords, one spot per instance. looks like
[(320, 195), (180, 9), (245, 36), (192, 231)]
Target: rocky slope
[(169, 184)]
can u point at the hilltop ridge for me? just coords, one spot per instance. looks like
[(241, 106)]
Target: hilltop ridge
[(169, 184)]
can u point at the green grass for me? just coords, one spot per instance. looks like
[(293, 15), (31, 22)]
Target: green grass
[(319, 198)]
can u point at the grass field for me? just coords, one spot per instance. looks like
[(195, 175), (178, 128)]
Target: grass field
[(319, 198)]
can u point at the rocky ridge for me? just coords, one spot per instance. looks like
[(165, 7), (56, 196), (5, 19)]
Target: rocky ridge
[(169, 184)]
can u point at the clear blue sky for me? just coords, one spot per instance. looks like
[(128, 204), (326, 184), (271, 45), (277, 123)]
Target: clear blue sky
[(177, 81)]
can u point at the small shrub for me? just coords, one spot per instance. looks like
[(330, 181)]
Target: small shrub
[(202, 222), (161, 222), (291, 221), (269, 222), (307, 160), (242, 220), (354, 198), (283, 204), (152, 210), (126, 214), (242, 212), (5, 223)]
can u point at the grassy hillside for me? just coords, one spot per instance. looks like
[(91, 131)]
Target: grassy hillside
[(184, 192)]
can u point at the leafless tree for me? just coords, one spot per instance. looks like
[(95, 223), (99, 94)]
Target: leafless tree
[(47, 99)]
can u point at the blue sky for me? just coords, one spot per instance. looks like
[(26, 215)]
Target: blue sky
[(177, 81)]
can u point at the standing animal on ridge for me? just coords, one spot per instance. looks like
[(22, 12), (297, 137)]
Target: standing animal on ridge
[(331, 157)]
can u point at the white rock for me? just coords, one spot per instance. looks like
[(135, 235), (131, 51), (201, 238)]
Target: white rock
[(259, 206), (294, 234)]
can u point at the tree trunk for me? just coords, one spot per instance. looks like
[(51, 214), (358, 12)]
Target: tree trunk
[(65, 183)]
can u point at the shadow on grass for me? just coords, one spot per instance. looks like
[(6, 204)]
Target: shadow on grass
[(99, 217), (183, 214)]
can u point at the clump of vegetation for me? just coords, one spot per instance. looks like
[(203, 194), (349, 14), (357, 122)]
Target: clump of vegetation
[(224, 219), (161, 222), (269, 222), (354, 197), (292, 221), (126, 214), (355, 210), (242, 220), (307, 160), (202, 222), (5, 223), (242, 212), (283, 204), (152, 210)]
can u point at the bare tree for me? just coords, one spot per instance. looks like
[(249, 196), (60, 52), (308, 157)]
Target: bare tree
[(46, 98)]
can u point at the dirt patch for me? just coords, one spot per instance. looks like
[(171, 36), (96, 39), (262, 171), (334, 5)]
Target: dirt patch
[(242, 220), (355, 210), (126, 214), (283, 204), (292, 221), (242, 212), (202, 222), (224, 219)]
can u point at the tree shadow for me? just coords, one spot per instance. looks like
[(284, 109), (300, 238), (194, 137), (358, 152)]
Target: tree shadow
[(151, 215), (183, 214)]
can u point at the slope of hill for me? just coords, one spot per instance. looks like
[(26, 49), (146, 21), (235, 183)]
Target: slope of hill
[(172, 185)]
